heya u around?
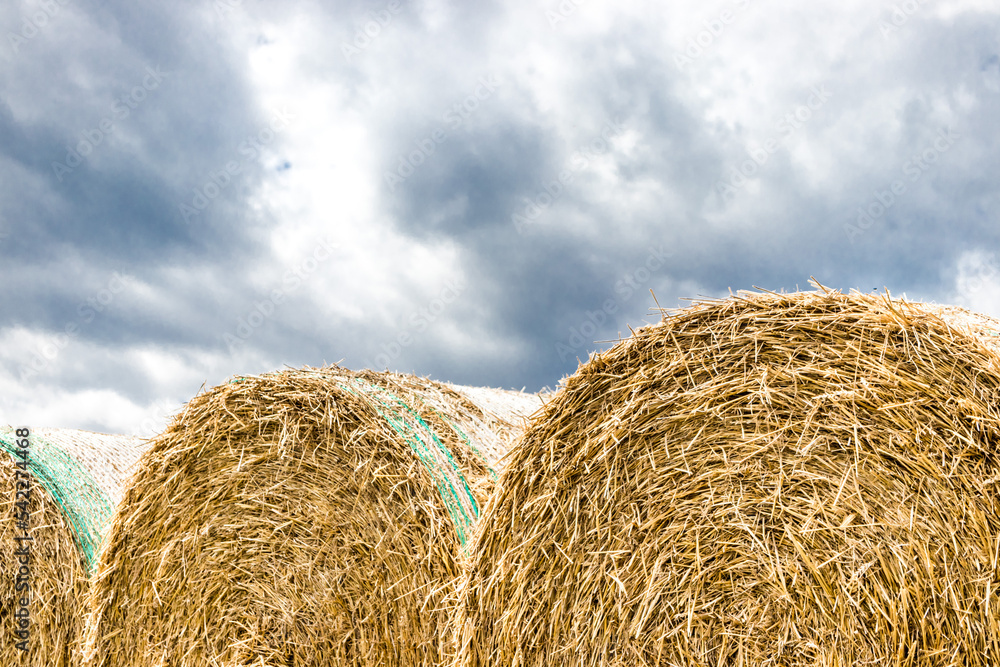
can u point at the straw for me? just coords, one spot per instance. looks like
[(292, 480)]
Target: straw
[(306, 517), (76, 478), (769, 479)]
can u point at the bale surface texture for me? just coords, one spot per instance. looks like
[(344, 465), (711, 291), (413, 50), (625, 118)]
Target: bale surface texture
[(76, 478), (301, 518), (765, 480)]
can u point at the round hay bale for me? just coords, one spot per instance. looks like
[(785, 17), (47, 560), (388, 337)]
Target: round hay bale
[(60, 497), (305, 517), (770, 479)]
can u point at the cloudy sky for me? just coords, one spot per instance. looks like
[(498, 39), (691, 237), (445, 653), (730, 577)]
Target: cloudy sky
[(480, 192)]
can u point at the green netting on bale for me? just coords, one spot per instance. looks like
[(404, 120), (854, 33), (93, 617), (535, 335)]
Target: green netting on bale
[(435, 456), (468, 442), (85, 506)]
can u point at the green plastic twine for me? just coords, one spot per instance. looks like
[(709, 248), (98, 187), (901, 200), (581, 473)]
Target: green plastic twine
[(84, 504), (468, 443), (438, 460)]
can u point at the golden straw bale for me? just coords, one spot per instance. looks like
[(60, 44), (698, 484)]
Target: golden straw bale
[(766, 480), (67, 484), (306, 517)]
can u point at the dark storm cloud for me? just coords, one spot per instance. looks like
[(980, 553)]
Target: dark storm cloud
[(541, 277), (797, 228), (562, 170), (487, 171), (540, 285), (124, 113)]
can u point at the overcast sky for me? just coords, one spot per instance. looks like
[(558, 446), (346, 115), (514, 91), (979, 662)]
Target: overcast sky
[(481, 192)]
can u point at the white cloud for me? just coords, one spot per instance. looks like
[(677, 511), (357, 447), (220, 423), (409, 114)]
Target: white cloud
[(977, 282)]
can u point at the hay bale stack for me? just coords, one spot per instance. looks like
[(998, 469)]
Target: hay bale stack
[(76, 479), (306, 517), (784, 480)]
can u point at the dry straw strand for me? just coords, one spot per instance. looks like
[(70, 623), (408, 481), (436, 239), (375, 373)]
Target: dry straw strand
[(768, 479)]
